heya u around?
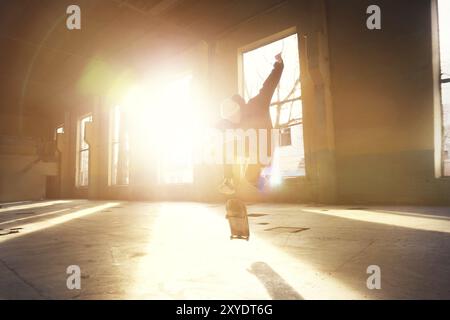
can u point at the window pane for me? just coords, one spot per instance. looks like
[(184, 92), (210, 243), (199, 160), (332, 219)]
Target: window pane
[(83, 154), (446, 118), (59, 130), (119, 147), (444, 46), (83, 143), (114, 160), (289, 161), (444, 36), (289, 111), (285, 137), (284, 113), (83, 174), (170, 121), (297, 110), (176, 158), (124, 161), (115, 124)]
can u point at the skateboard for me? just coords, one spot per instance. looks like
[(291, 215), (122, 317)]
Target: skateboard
[(238, 219)]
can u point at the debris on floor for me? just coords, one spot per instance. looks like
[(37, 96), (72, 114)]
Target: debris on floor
[(4, 232), (287, 229)]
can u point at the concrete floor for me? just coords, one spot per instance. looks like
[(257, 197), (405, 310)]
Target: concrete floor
[(144, 250)]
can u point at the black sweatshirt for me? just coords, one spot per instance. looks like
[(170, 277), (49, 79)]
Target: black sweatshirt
[(255, 114)]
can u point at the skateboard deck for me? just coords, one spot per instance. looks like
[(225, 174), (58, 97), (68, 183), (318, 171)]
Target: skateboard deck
[(238, 219)]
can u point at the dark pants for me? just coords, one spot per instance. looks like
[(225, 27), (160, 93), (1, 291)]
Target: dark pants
[(252, 172)]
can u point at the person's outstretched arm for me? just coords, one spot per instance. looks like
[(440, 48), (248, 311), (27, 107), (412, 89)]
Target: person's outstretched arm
[(270, 84)]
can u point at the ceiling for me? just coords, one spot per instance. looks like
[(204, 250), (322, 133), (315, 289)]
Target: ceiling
[(41, 61)]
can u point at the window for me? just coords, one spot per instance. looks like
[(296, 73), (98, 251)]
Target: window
[(58, 130), (444, 48), (286, 105), (82, 177), (167, 121), (179, 117), (119, 161)]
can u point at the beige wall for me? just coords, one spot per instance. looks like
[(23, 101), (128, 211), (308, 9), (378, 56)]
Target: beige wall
[(36, 126), (22, 175), (382, 86)]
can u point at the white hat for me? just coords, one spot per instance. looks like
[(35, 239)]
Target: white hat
[(229, 108)]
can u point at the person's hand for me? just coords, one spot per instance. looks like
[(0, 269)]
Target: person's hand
[(278, 58)]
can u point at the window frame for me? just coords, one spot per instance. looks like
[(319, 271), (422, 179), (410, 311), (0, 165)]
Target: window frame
[(161, 168), (439, 80)]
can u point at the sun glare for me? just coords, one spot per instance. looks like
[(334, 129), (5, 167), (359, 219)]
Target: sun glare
[(170, 120)]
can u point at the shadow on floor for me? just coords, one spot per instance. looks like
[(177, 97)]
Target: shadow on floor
[(275, 285)]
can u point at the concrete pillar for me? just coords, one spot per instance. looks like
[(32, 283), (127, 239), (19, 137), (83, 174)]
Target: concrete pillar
[(319, 102)]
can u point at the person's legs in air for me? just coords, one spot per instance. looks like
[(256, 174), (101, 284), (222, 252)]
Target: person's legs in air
[(254, 176), (231, 117)]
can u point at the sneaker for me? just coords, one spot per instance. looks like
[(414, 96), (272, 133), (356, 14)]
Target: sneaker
[(227, 187)]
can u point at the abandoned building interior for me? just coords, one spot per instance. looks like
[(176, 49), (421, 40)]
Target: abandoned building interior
[(102, 136)]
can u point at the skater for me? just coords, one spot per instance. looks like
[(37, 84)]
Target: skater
[(255, 114)]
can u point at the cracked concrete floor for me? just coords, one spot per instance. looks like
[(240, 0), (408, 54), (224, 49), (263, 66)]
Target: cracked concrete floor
[(181, 250)]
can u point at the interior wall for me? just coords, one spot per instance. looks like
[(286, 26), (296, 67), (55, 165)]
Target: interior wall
[(22, 175), (34, 125), (382, 86)]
